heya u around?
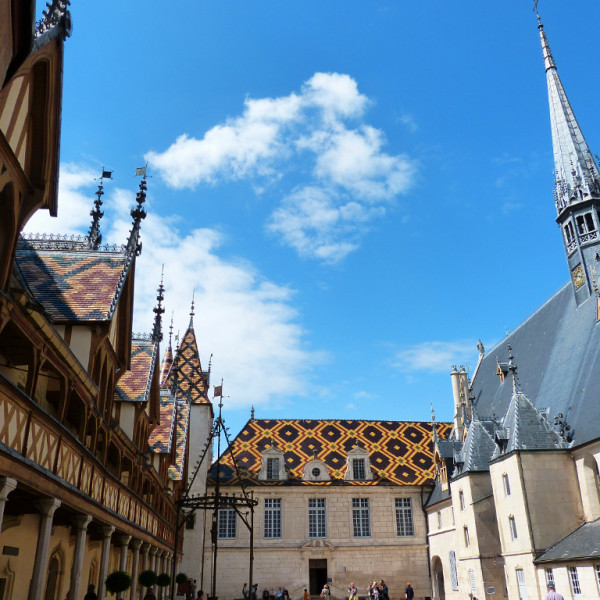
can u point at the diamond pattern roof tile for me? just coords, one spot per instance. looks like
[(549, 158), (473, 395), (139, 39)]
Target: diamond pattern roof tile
[(400, 452), (74, 285), (161, 438), (134, 385), (181, 433)]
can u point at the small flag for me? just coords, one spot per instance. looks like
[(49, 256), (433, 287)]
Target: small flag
[(106, 174), (140, 171), (218, 391)]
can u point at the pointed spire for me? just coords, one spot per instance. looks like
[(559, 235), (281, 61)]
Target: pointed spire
[(138, 214), (96, 213), (513, 369), (192, 313), (157, 335), (577, 177)]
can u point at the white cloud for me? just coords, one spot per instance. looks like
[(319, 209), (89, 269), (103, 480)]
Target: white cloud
[(248, 323), (435, 357), (317, 134), (76, 187)]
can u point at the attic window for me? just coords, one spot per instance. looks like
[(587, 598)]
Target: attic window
[(272, 468), (358, 467)]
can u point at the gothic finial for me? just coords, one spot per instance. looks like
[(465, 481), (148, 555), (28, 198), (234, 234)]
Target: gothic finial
[(171, 330), (159, 310), (138, 214), (192, 313), (480, 348), (513, 369), (252, 413)]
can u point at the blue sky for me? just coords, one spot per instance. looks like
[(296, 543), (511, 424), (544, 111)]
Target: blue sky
[(356, 191)]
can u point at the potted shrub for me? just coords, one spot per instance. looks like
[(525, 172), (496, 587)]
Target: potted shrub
[(117, 582), (163, 580), (147, 578), (181, 578)]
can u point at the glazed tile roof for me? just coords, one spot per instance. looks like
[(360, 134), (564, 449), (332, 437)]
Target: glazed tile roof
[(192, 381), (162, 435), (181, 434), (165, 367), (400, 452), (74, 285), (134, 385)]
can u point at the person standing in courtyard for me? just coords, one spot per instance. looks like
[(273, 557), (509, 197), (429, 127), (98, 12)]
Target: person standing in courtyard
[(409, 593), (383, 591), (552, 593)]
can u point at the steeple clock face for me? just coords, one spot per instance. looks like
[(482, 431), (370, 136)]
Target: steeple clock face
[(578, 276)]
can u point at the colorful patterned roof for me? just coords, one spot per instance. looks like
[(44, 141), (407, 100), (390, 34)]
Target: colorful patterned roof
[(400, 452), (165, 367), (162, 435), (192, 381), (181, 434), (75, 285), (134, 385)]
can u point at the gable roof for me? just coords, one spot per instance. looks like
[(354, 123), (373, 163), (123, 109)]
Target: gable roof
[(78, 284), (181, 433), (134, 385), (400, 452), (192, 381), (161, 437), (558, 353)]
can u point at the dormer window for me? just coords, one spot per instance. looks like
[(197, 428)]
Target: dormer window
[(272, 467), (358, 467), (315, 470)]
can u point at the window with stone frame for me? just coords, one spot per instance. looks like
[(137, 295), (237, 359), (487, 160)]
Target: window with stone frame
[(472, 582), (358, 468), (521, 584), (506, 484), (273, 468), (190, 521), (317, 518), (513, 527), (574, 582), (272, 518), (404, 517), (360, 517), (585, 224), (461, 500), (453, 571), (549, 576), (597, 572), (466, 536), (227, 523), (439, 519)]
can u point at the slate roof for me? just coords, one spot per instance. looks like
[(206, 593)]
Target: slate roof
[(557, 353), (583, 543), (192, 380), (181, 433), (477, 448), (524, 427), (134, 385), (161, 438), (74, 285), (400, 452)]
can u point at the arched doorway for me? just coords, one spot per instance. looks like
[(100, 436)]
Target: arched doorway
[(438, 579)]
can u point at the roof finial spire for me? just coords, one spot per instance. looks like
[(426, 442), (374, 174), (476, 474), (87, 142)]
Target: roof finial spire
[(157, 335), (96, 213), (138, 214), (192, 313), (171, 330), (252, 413), (513, 369)]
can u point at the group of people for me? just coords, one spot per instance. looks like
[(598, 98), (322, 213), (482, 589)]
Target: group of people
[(280, 594), (378, 590)]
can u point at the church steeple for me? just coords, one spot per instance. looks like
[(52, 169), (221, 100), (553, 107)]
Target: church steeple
[(577, 182)]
